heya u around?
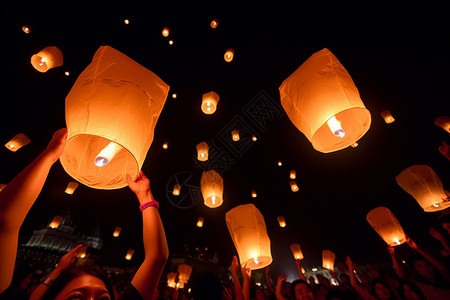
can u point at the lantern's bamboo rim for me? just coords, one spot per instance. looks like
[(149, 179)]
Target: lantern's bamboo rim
[(264, 261)]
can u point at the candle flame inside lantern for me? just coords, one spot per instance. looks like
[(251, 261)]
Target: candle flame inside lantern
[(213, 199), (335, 127), (255, 259), (397, 241), (107, 154)]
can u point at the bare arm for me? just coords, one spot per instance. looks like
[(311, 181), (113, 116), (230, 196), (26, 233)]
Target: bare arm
[(298, 262), (269, 282), (246, 275), (278, 293), (236, 284), (362, 292), (398, 269)]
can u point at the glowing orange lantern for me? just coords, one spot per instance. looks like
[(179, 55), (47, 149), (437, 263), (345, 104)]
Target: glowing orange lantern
[(71, 187), (214, 23), (166, 31), (280, 163), (26, 29), (126, 21), (209, 102), (322, 101), (111, 113), (129, 255), (165, 145), (46, 59), (293, 174), (17, 142), (281, 221), (176, 189), (328, 258), (443, 122), (235, 135), (171, 277), (55, 222), (229, 55), (117, 231), (297, 251), (248, 232), (200, 222), (184, 273), (212, 188), (386, 225), (421, 182), (2, 186), (354, 145), (294, 186), (254, 195), (254, 138), (82, 251), (202, 151), (387, 116)]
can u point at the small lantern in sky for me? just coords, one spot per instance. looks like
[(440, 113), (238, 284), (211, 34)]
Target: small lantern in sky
[(323, 102), (214, 23), (71, 187), (421, 182), (279, 163), (328, 258), (212, 188), (126, 21), (55, 222), (202, 151), (292, 174), (46, 59), (297, 251), (129, 255), (165, 145), (176, 189), (165, 31), (209, 103), (26, 29), (229, 55), (354, 145), (281, 221), (248, 232), (235, 135), (17, 142), (443, 122), (387, 116), (254, 138), (117, 231), (111, 114), (184, 273), (200, 222), (294, 186), (384, 222), (254, 194), (171, 277)]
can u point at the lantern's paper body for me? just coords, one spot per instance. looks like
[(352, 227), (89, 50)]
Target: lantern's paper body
[(71, 187), (184, 273), (129, 255), (294, 186), (425, 186), (318, 90), (55, 222), (46, 59), (17, 142), (281, 221), (202, 151), (443, 122), (113, 100), (209, 103), (297, 251), (176, 189), (328, 258), (387, 116), (171, 277), (200, 222), (248, 232), (117, 231), (386, 225), (212, 188)]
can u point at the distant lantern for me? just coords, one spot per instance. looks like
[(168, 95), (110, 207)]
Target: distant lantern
[(176, 189), (171, 277), (200, 222), (17, 142), (165, 31), (170, 42), (254, 194), (328, 258), (214, 23), (281, 221), (126, 21), (71, 187), (184, 273), (421, 182), (279, 163), (248, 232), (254, 138), (26, 29), (229, 55), (2, 186), (212, 188), (354, 145), (67, 73), (202, 151), (297, 251), (384, 222), (129, 255), (55, 222), (323, 102), (387, 116), (293, 174), (235, 135), (117, 231), (111, 113), (82, 251), (174, 95), (165, 145), (209, 102), (294, 186), (443, 122), (46, 59)]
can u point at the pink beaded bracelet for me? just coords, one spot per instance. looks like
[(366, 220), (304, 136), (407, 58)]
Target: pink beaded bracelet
[(149, 203)]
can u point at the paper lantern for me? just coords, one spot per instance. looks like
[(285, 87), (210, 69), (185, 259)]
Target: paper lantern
[(421, 182), (176, 189), (171, 277), (354, 145), (294, 186), (111, 114), (235, 135), (67, 73), (202, 151), (214, 23), (17, 142), (254, 138), (212, 188), (82, 251), (443, 122), (46, 59), (26, 29), (166, 31), (55, 222), (248, 232), (117, 231), (297, 251), (171, 42), (279, 163), (71, 187), (2, 186), (384, 222), (200, 222), (229, 55), (126, 21), (281, 221), (387, 117), (209, 103), (184, 273), (165, 145), (322, 101), (254, 194), (129, 255), (328, 258), (293, 174)]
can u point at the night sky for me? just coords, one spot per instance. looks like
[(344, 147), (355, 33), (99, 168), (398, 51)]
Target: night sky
[(397, 55)]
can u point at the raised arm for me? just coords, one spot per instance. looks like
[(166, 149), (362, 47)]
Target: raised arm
[(246, 278), (279, 293), (236, 284), (17, 198), (298, 262), (398, 269), (268, 281), (362, 292), (156, 250)]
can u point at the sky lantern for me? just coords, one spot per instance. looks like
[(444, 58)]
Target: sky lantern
[(281, 221), (165, 31), (279, 163), (55, 222), (387, 116), (117, 231), (235, 135), (248, 232), (292, 174), (354, 145), (254, 194), (297, 251), (212, 188), (71, 187), (129, 255), (202, 151), (17, 142), (26, 29), (200, 222), (328, 258), (443, 122), (184, 273), (46, 59), (171, 277), (209, 102), (386, 225), (214, 23), (322, 101), (111, 114), (176, 189), (229, 55), (294, 186), (254, 138), (165, 145), (171, 42), (421, 182)]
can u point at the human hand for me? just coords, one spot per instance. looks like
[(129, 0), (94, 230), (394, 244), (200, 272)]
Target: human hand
[(246, 273), (140, 186), (391, 250), (350, 264), (411, 243), (298, 262), (445, 150), (68, 259), (56, 145), (436, 234), (234, 265), (281, 279)]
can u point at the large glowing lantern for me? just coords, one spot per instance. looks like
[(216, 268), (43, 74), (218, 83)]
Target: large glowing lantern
[(200, 222), (202, 151), (129, 255), (248, 232), (55, 222), (46, 59), (425, 186), (328, 258), (184, 273), (71, 187), (443, 122), (171, 277), (209, 103), (212, 188), (322, 101), (387, 116), (386, 225), (111, 114), (117, 231), (17, 142), (281, 221), (297, 251)]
